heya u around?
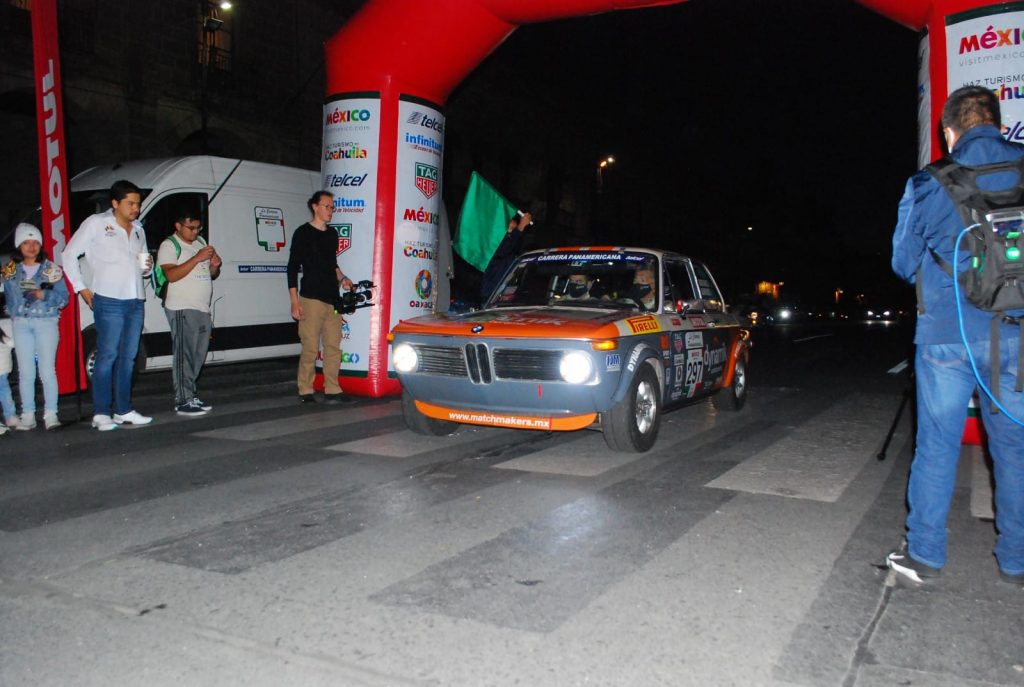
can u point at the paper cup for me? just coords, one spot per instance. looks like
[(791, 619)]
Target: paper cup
[(143, 261)]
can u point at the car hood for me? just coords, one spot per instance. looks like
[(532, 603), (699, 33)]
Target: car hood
[(562, 323)]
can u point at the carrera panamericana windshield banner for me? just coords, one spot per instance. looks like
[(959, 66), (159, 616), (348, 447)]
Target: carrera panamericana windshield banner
[(985, 47), (53, 180)]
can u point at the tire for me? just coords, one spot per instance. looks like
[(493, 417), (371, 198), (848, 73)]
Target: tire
[(733, 397), (420, 423), (89, 352), (631, 426)]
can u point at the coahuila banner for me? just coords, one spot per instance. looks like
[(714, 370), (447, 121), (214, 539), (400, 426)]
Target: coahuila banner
[(53, 181), (350, 154), (417, 210), (985, 47), (483, 222)]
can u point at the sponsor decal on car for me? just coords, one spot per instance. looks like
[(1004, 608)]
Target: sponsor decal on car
[(613, 362), (643, 325), (694, 340), (697, 321)]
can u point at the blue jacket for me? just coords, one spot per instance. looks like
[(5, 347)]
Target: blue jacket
[(928, 218), (54, 298)]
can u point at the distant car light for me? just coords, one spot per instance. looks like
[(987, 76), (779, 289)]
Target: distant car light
[(785, 314), (575, 367), (404, 357)]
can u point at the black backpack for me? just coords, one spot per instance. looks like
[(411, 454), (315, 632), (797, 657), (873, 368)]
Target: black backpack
[(994, 280)]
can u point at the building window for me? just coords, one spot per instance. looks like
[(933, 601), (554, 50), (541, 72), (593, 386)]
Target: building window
[(215, 42)]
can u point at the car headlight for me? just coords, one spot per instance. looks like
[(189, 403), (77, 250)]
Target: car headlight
[(404, 357), (576, 367)]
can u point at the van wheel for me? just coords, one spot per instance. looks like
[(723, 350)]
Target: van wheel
[(420, 423), (733, 396), (89, 348), (631, 426)]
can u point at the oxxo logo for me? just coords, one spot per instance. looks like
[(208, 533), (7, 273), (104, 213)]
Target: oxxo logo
[(349, 358)]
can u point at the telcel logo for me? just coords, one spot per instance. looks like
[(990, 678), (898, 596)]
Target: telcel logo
[(333, 180), (426, 121)]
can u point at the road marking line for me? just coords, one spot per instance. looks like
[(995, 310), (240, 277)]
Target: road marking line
[(812, 338), (899, 368)]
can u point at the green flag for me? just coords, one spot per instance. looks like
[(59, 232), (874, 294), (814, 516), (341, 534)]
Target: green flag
[(483, 222)]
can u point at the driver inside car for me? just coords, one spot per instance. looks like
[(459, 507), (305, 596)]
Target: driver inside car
[(643, 291), (578, 287)]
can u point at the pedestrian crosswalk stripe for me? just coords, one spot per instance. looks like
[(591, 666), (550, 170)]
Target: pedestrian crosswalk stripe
[(820, 458), (588, 457), (269, 429), (405, 443)]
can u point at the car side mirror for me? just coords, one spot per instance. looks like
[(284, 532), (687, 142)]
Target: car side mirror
[(683, 306)]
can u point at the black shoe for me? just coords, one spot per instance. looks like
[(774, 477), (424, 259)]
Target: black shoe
[(307, 398), (910, 570), (338, 399), (1012, 579)]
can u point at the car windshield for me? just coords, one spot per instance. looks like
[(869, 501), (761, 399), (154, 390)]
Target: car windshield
[(611, 279)]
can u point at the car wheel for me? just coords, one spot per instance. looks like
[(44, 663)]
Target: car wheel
[(733, 396), (420, 423), (631, 426)]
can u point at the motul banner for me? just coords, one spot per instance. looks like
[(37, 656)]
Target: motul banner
[(53, 179)]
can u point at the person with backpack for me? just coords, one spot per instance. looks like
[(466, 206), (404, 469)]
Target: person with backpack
[(928, 224), (187, 268)]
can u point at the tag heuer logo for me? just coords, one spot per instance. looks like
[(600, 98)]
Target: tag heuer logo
[(426, 179), (344, 236)]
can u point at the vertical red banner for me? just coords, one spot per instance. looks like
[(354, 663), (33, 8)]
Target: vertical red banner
[(53, 180)]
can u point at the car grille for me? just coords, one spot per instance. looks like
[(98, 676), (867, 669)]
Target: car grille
[(483, 365)]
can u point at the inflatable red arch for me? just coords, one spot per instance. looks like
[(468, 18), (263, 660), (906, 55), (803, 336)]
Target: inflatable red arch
[(390, 70)]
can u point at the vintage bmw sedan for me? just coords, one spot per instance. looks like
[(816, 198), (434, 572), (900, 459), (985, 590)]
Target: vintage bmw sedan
[(603, 338)]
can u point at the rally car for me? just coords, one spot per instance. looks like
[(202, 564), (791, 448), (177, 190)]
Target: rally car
[(573, 338)]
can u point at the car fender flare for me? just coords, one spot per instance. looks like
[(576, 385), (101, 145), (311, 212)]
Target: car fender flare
[(741, 348), (641, 354)]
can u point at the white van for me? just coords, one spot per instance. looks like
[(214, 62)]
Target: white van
[(249, 212)]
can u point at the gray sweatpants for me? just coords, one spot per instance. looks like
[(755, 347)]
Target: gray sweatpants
[(190, 336)]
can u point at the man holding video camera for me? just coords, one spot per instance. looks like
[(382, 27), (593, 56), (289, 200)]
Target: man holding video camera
[(314, 252)]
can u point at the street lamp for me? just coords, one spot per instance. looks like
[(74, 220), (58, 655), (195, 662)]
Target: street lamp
[(600, 171)]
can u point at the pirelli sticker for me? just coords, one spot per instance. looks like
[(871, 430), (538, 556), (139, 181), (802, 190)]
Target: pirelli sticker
[(643, 325)]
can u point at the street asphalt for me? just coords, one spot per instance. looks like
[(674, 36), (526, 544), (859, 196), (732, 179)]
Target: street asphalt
[(273, 543)]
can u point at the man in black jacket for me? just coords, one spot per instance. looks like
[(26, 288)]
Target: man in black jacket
[(314, 251)]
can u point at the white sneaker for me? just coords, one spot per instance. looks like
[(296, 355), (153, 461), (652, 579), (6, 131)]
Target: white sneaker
[(50, 420), (27, 422), (132, 417), (103, 423), (4, 430)]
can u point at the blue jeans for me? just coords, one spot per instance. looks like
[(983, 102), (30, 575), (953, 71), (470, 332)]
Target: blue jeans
[(118, 328), (35, 344), (945, 383), (6, 400)]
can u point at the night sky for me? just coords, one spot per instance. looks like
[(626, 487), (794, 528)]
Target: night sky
[(796, 118)]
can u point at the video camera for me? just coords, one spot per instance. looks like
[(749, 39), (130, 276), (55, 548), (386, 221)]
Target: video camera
[(360, 297)]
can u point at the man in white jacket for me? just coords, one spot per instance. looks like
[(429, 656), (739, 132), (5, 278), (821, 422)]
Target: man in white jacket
[(113, 244)]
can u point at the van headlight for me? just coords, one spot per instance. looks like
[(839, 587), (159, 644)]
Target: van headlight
[(576, 367), (404, 357)]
